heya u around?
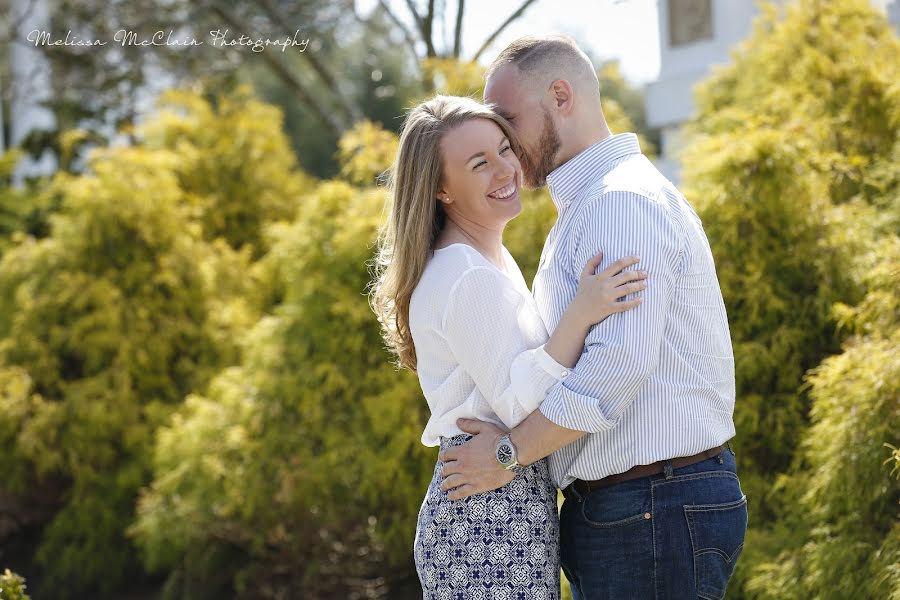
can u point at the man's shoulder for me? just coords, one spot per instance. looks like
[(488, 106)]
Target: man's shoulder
[(634, 175)]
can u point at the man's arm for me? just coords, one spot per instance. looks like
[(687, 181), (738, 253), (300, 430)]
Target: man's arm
[(621, 352)]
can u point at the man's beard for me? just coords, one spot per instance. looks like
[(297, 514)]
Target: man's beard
[(536, 168)]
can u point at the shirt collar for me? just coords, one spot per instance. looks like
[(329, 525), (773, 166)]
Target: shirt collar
[(567, 180)]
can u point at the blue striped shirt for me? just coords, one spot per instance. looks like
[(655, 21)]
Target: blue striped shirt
[(655, 382)]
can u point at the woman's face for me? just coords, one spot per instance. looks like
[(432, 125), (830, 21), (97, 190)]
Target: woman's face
[(481, 175)]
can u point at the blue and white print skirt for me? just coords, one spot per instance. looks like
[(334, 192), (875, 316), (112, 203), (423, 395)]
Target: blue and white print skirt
[(499, 545)]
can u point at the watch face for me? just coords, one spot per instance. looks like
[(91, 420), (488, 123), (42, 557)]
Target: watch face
[(504, 454)]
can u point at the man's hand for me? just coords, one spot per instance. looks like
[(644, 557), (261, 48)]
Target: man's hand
[(473, 468)]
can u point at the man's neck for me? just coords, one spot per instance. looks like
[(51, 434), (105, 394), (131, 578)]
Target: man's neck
[(581, 144)]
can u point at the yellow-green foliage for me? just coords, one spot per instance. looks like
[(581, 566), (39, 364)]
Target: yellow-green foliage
[(452, 77), (792, 166), (12, 586), (134, 300), (362, 151), (235, 166), (307, 455), (847, 535), (104, 332)]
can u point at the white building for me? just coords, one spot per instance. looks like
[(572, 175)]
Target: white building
[(694, 35)]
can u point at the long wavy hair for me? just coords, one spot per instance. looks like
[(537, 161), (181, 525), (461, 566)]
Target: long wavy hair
[(416, 217)]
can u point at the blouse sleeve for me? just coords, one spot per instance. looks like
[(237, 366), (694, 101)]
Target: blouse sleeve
[(497, 337)]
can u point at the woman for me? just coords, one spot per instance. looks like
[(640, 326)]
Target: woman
[(455, 308)]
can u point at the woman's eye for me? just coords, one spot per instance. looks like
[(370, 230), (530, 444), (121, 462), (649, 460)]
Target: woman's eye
[(505, 148), (484, 162)]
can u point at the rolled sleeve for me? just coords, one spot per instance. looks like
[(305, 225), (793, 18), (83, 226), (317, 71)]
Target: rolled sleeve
[(622, 351)]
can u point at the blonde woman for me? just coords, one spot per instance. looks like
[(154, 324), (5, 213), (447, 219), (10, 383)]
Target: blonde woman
[(455, 309)]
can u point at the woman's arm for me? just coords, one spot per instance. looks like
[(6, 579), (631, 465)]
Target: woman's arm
[(596, 299), (496, 336)]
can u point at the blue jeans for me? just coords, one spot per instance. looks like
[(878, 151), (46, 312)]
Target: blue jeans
[(669, 536)]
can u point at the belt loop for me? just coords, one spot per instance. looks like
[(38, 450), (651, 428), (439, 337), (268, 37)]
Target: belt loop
[(668, 469), (730, 449), (721, 457), (574, 488)]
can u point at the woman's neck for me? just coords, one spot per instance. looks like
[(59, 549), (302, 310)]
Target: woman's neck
[(486, 241)]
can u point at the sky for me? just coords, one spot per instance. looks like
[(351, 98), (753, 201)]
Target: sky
[(626, 30)]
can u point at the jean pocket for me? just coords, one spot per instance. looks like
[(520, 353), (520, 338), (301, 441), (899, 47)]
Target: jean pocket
[(617, 506), (717, 538)]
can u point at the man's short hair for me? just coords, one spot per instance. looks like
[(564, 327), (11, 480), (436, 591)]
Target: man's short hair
[(547, 57)]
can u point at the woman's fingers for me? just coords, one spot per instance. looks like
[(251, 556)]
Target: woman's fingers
[(621, 264), (592, 265), (625, 305), (630, 288), (626, 276)]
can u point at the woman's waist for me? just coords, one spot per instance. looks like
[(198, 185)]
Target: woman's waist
[(442, 424)]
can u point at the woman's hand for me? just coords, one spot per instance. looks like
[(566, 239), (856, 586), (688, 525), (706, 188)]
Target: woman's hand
[(598, 295)]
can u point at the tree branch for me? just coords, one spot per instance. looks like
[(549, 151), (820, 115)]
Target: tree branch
[(287, 76), (500, 29), (424, 30), (428, 29), (407, 34), (322, 70), (457, 36)]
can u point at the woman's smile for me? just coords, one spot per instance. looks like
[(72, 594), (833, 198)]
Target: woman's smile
[(507, 191)]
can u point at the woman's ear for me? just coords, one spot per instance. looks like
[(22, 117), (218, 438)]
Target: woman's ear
[(443, 197)]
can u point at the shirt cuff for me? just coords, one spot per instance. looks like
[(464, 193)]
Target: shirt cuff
[(567, 409), (550, 366)]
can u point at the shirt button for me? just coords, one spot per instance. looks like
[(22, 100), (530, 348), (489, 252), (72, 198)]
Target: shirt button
[(564, 374)]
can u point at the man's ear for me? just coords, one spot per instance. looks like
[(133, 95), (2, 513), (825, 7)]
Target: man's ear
[(562, 95)]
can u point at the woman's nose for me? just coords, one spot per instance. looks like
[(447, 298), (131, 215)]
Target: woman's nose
[(506, 170)]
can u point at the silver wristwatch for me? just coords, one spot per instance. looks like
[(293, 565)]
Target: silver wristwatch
[(507, 456)]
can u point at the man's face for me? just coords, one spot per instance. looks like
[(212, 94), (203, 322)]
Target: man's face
[(532, 121)]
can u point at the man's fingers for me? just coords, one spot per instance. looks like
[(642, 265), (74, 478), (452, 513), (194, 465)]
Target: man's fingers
[(449, 455), (469, 425), (452, 482), (450, 468), (621, 264), (463, 491)]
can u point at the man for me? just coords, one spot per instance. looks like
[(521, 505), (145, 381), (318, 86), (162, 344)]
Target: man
[(653, 506)]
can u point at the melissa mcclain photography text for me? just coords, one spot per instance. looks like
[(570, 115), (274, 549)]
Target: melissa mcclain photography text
[(218, 38)]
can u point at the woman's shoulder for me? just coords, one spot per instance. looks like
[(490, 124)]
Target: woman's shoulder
[(449, 267)]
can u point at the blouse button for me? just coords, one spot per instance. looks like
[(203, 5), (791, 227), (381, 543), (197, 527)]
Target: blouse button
[(564, 374)]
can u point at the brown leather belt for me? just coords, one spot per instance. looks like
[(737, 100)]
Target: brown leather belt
[(580, 488)]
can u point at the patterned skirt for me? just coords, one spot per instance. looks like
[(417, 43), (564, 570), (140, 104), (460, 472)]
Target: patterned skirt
[(499, 545)]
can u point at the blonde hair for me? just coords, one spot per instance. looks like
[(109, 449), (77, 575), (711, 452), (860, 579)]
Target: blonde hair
[(416, 218)]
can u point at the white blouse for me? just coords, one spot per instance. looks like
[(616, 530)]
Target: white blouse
[(479, 342)]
